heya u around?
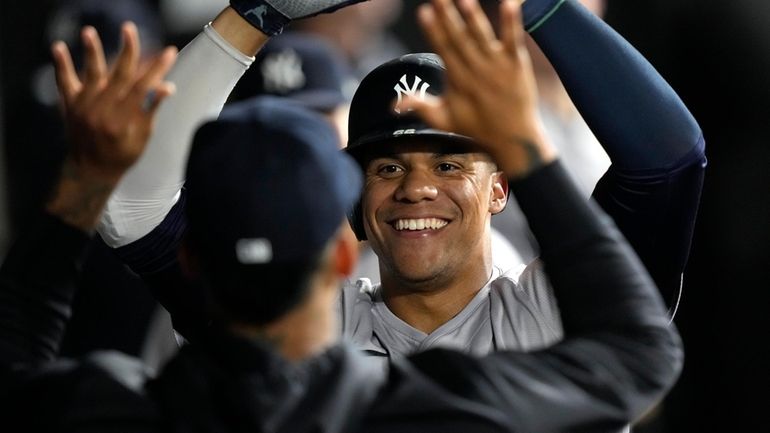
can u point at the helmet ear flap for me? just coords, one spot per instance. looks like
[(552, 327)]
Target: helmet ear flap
[(356, 220)]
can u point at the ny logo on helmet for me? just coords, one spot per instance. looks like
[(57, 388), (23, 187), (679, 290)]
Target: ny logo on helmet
[(417, 90)]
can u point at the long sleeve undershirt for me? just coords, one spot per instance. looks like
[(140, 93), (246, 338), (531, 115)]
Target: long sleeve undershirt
[(205, 73)]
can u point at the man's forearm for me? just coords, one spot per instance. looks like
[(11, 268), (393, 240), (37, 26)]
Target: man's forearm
[(37, 285), (78, 199), (635, 114)]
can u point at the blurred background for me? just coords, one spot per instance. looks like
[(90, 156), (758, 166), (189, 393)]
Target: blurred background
[(715, 53)]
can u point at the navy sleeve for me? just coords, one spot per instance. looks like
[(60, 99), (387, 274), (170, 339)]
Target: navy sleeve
[(157, 250), (656, 213), (653, 187), (154, 258), (38, 391), (37, 285), (634, 113)]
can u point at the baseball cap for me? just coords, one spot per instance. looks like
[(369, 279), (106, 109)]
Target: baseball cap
[(373, 116), (267, 188), (301, 67)]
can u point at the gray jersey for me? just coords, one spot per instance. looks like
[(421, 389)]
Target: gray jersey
[(514, 310)]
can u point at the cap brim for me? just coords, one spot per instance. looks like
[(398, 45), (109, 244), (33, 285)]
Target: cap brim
[(368, 143)]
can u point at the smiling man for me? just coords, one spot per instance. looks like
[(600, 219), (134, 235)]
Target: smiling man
[(421, 202), (426, 210)]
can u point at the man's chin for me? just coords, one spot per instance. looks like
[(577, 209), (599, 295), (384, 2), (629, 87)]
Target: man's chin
[(419, 278)]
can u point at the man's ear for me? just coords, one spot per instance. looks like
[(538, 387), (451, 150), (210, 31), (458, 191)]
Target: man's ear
[(345, 251), (499, 196), (189, 262)]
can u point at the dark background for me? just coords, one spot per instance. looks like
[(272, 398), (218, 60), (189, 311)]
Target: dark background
[(715, 53)]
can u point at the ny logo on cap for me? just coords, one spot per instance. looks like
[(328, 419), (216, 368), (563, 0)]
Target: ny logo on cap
[(282, 72), (254, 251), (402, 88)]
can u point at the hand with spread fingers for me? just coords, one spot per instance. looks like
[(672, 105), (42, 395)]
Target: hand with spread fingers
[(491, 93), (109, 117)]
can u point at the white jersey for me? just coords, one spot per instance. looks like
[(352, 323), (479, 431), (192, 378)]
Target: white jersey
[(514, 310)]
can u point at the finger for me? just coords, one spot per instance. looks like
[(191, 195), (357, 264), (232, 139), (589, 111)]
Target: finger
[(66, 78), (512, 31), (96, 66), (456, 31), (440, 43), (124, 70), (478, 24), (152, 77)]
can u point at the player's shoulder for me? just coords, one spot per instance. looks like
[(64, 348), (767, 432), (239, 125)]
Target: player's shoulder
[(506, 279), (527, 281)]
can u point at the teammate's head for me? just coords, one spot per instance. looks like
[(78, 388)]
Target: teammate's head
[(301, 67), (268, 191), (306, 69), (428, 194)]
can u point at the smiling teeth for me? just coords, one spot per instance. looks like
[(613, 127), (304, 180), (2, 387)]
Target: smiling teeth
[(419, 224)]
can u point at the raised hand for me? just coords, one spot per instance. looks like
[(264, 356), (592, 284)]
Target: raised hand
[(491, 93), (108, 116)]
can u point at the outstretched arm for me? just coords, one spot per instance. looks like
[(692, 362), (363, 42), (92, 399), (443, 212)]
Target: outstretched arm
[(108, 117), (652, 189), (618, 355)]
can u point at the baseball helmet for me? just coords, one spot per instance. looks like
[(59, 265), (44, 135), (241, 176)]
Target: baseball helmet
[(376, 121)]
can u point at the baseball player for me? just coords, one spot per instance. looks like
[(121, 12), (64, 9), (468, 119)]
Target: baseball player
[(447, 294), (266, 364), (438, 287)]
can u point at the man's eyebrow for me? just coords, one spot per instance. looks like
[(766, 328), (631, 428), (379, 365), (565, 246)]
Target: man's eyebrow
[(438, 155), (382, 155)]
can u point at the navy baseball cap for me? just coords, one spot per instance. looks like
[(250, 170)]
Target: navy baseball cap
[(267, 188), (375, 117), (301, 67)]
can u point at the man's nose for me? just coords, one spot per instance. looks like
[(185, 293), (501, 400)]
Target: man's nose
[(417, 185)]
